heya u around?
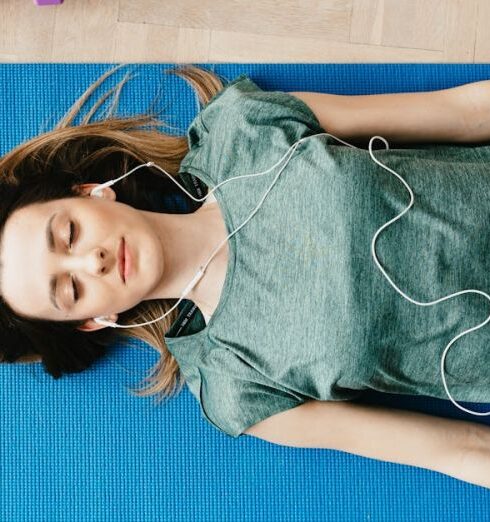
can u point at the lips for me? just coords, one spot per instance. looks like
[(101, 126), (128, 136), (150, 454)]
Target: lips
[(120, 258)]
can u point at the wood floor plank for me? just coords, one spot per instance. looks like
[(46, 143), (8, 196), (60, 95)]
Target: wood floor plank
[(213, 31), (270, 17), (244, 47), (93, 34)]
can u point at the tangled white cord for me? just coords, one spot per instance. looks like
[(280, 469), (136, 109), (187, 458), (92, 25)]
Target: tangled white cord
[(292, 149), (419, 303)]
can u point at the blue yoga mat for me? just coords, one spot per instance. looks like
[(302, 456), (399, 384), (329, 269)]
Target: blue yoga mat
[(83, 449)]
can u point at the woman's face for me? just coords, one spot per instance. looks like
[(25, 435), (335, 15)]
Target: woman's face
[(91, 262)]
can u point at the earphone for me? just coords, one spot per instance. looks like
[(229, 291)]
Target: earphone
[(97, 193)]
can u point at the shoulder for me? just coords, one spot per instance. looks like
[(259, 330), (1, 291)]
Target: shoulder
[(250, 395)]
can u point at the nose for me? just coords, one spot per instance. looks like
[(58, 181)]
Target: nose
[(96, 262)]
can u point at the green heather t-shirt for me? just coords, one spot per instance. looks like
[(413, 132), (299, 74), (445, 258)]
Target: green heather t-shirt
[(304, 312)]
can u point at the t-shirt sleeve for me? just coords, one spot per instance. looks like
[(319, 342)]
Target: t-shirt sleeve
[(236, 396), (244, 126)]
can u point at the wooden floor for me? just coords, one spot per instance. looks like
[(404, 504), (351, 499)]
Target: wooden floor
[(213, 31)]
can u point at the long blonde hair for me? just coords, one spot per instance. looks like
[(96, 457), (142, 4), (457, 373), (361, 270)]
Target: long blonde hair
[(46, 168)]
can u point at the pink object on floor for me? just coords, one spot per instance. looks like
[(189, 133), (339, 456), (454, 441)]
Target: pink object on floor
[(48, 2)]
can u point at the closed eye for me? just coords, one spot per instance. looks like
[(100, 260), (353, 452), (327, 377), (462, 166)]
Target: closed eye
[(75, 290), (72, 228), (74, 286)]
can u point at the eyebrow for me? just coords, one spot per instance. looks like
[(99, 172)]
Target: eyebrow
[(53, 281)]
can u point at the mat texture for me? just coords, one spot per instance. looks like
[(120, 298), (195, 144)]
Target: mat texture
[(83, 449)]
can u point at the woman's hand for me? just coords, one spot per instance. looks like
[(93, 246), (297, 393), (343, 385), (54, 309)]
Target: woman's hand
[(474, 460)]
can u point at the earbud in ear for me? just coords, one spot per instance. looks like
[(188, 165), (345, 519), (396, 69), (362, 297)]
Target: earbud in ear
[(95, 192), (103, 321)]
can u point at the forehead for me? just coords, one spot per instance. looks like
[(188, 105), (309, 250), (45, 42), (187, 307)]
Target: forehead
[(32, 213), (19, 217), (23, 251), (31, 219)]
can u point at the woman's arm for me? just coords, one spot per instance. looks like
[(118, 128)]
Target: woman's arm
[(460, 114), (456, 448)]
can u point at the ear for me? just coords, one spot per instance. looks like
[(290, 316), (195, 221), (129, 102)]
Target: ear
[(90, 325), (85, 188)]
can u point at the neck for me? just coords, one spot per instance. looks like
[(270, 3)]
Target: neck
[(187, 242)]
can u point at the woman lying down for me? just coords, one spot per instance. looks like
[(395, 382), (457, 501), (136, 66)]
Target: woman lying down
[(299, 270)]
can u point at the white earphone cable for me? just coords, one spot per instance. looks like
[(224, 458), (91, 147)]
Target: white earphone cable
[(292, 149)]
